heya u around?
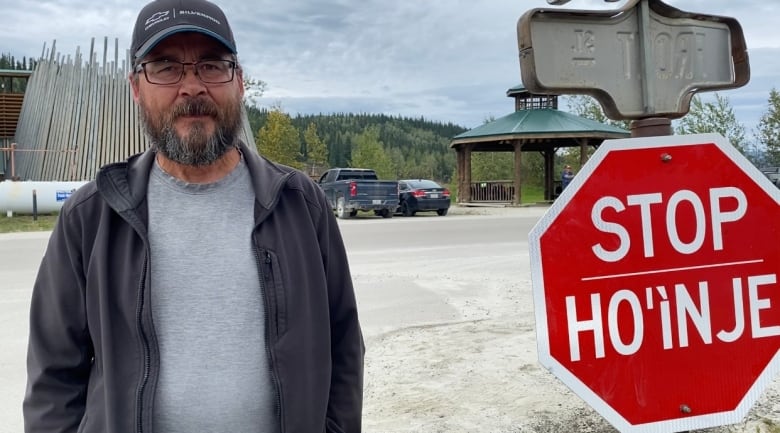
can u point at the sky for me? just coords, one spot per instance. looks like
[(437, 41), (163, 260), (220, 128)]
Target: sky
[(444, 60)]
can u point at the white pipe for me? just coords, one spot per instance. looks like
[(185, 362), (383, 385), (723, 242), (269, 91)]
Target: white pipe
[(18, 196)]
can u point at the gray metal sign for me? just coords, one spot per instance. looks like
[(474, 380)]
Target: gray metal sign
[(644, 60)]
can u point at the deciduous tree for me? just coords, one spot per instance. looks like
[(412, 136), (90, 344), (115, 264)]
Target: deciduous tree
[(369, 152), (768, 132), (713, 117), (316, 150), (253, 89), (589, 108), (279, 141)]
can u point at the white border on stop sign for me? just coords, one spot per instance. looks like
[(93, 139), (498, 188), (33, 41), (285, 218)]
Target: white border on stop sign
[(543, 349)]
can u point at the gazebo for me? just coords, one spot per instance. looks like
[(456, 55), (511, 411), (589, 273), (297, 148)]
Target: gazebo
[(536, 126)]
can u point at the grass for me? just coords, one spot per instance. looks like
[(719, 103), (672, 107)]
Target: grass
[(25, 223), (531, 194)]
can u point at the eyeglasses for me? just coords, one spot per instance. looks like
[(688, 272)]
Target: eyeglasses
[(171, 71)]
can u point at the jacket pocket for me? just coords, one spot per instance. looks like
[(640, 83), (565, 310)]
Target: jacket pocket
[(275, 293)]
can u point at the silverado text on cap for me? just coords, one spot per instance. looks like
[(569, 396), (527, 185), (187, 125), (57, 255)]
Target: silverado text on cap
[(200, 14)]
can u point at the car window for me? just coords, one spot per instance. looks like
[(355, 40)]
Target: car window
[(423, 184)]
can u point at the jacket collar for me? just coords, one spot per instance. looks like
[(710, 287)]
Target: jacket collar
[(123, 184)]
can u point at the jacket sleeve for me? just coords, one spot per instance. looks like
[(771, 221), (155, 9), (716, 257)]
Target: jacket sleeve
[(59, 353), (345, 405)]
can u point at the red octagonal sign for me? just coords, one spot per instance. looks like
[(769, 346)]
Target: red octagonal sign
[(655, 283)]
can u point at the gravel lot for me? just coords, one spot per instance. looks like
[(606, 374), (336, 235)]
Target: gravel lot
[(449, 329), (476, 369)]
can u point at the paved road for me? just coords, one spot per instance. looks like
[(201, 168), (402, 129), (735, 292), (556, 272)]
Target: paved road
[(20, 255), (396, 265)]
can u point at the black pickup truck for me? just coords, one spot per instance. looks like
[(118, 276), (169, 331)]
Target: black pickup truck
[(350, 190)]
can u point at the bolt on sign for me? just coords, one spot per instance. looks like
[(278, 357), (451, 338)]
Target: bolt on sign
[(646, 59), (655, 283)]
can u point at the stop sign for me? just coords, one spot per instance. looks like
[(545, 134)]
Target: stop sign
[(655, 283)]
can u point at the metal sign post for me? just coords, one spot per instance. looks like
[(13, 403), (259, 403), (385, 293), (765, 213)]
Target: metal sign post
[(645, 60)]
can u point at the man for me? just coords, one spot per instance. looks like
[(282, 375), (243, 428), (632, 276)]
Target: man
[(196, 287), (566, 176)]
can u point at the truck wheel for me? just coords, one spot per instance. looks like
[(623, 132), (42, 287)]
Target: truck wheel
[(341, 209), (385, 213)]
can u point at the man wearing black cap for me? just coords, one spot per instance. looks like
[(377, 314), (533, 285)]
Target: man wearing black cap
[(196, 287)]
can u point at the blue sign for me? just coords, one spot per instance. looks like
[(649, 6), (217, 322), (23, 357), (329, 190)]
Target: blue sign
[(63, 195)]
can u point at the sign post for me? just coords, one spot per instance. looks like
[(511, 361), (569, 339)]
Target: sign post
[(655, 283), (645, 60)]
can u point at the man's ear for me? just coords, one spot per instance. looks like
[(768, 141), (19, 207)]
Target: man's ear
[(133, 78)]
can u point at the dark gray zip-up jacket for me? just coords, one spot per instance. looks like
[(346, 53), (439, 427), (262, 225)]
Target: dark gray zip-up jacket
[(92, 359)]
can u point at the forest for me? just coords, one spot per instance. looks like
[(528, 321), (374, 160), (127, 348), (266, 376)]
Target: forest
[(397, 147)]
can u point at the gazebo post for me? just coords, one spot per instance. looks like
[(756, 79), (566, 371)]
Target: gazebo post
[(463, 154), (461, 170), (518, 177), (549, 174), (583, 151), (467, 171)]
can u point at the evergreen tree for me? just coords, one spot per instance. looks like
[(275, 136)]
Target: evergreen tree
[(279, 141), (768, 132)]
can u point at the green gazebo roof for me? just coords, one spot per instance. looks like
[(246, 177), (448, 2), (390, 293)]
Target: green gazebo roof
[(541, 123)]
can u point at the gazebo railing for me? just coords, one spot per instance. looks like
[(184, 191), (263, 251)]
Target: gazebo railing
[(492, 191)]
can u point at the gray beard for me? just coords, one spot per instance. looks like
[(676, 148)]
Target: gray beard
[(198, 149)]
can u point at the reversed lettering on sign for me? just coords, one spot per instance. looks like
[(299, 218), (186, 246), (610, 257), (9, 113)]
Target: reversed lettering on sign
[(679, 56), (585, 45), (626, 42)]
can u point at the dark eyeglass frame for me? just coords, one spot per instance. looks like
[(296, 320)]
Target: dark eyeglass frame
[(231, 64)]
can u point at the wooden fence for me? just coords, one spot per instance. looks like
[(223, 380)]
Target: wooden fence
[(78, 115), (494, 191)]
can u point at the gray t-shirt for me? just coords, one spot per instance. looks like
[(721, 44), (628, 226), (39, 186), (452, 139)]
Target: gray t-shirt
[(208, 308)]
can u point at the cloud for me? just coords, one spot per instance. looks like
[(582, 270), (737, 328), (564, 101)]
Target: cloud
[(447, 60)]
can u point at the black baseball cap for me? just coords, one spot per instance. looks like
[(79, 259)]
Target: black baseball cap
[(162, 18)]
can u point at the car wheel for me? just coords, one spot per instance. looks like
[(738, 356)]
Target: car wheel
[(341, 210), (405, 210), (442, 212)]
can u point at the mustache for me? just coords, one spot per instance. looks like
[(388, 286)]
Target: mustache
[(195, 107)]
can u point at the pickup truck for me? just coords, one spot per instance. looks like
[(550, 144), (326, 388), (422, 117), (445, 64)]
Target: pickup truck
[(350, 190)]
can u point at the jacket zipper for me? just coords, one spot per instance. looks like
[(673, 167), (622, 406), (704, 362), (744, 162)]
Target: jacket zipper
[(147, 356), (267, 307)]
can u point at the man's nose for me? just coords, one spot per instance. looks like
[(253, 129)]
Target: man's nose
[(190, 82)]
